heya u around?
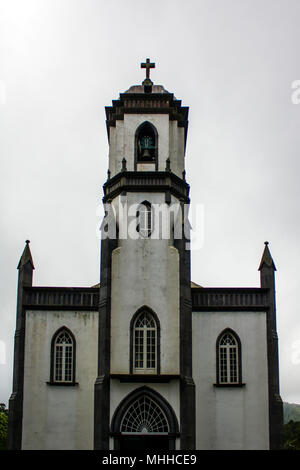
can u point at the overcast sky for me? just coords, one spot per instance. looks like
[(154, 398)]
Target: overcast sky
[(233, 62)]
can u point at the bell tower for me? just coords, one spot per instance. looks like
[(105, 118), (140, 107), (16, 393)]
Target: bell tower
[(145, 308)]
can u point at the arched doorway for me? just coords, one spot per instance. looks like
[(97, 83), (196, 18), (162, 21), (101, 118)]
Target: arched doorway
[(144, 421)]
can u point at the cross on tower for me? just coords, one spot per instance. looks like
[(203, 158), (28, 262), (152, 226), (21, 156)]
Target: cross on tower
[(147, 65)]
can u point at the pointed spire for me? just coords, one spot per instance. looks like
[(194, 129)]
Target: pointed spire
[(26, 256), (267, 259)]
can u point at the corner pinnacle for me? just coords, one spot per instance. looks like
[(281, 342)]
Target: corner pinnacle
[(267, 259), (26, 256)]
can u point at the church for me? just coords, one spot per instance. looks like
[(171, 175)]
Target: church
[(146, 358)]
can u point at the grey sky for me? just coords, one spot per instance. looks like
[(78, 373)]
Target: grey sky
[(231, 62)]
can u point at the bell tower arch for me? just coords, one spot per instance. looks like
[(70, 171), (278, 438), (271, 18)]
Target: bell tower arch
[(146, 147)]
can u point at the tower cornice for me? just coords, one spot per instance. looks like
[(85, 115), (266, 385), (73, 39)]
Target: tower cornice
[(146, 181), (147, 103)]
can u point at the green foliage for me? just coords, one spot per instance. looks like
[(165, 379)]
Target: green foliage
[(291, 412), (292, 435), (3, 426)]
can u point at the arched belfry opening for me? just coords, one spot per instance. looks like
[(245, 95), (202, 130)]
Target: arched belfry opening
[(144, 420), (146, 147)]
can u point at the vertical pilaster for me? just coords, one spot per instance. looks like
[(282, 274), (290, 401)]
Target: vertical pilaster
[(102, 384), (15, 415), (187, 386), (267, 277)]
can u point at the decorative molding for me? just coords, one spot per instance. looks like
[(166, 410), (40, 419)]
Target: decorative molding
[(147, 103), (61, 298), (146, 181), (230, 299)]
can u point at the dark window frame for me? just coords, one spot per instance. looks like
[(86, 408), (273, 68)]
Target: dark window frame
[(239, 382), (131, 345), (52, 358)]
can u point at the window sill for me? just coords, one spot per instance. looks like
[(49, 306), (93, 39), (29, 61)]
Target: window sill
[(144, 377), (240, 385), (63, 384)]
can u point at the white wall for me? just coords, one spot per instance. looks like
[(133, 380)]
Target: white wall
[(59, 417), (145, 272), (231, 418), (170, 142)]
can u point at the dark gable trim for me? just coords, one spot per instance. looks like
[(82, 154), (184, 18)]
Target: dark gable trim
[(52, 381), (133, 319), (234, 334), (155, 396)]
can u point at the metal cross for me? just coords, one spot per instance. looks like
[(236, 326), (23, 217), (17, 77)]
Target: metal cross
[(148, 65)]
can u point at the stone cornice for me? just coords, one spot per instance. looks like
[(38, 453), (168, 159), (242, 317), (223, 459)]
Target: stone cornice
[(146, 181), (147, 103)]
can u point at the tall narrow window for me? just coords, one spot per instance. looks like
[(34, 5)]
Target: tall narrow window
[(63, 357), (145, 343), (144, 220), (228, 359)]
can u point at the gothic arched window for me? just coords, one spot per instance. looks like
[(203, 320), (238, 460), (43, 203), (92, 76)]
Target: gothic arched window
[(146, 143), (145, 337), (144, 416), (144, 219), (229, 366), (63, 357)]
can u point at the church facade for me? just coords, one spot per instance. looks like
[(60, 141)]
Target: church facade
[(146, 359)]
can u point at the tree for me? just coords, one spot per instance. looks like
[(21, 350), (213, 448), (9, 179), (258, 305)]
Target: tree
[(292, 435), (3, 426)]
